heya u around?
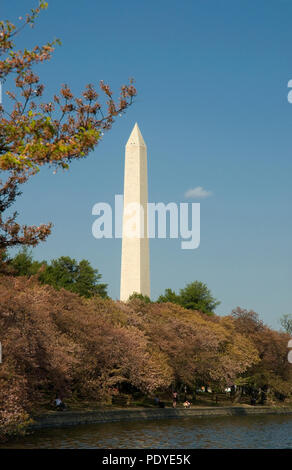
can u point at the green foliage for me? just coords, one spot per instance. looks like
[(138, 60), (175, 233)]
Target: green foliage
[(24, 265), (195, 296), (63, 272), (80, 278), (143, 298), (169, 296), (286, 323)]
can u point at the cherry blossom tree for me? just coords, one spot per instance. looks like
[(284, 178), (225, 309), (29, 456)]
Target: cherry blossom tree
[(34, 133)]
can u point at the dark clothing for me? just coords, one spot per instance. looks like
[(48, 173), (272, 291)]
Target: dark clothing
[(174, 399), (59, 404), (61, 407)]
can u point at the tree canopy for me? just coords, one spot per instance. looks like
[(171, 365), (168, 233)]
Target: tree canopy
[(272, 373), (93, 349), (195, 296), (144, 298), (169, 296), (64, 272), (80, 278)]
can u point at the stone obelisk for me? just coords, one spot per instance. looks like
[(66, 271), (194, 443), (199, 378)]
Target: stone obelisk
[(135, 275)]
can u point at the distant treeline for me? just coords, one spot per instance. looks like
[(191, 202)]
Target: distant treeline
[(83, 279)]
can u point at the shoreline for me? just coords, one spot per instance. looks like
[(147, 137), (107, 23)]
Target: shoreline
[(57, 419)]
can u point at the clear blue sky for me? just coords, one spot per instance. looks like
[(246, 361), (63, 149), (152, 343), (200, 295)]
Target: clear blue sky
[(212, 107)]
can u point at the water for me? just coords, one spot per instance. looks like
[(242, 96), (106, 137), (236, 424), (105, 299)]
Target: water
[(253, 432)]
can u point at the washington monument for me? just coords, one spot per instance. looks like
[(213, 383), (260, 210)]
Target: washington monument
[(135, 276)]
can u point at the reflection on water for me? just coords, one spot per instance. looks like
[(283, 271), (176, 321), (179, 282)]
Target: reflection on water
[(221, 432)]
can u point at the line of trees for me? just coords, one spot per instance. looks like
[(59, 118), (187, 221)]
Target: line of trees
[(92, 349), (84, 280)]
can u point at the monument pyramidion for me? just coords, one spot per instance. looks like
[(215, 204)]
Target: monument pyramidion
[(135, 275)]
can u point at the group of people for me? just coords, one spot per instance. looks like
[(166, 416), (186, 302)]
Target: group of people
[(186, 403), (161, 404), (60, 405)]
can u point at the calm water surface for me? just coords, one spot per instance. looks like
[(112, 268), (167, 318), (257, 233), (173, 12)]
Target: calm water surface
[(252, 432)]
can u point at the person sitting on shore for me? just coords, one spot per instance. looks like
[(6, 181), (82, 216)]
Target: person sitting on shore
[(60, 405), (156, 401), (187, 404), (159, 403)]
